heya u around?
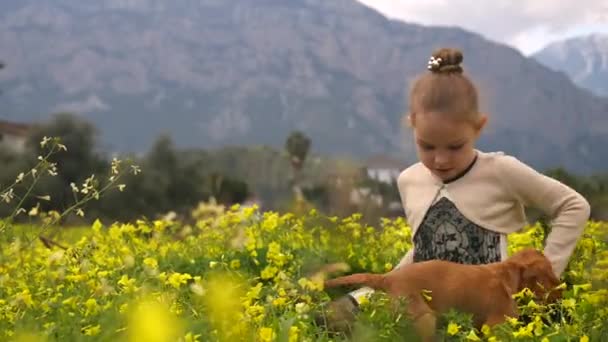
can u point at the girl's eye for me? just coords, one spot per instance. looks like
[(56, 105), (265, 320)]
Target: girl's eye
[(426, 147), (456, 148)]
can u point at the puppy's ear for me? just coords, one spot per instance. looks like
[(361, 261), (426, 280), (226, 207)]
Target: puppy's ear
[(514, 281), (528, 276), (541, 280)]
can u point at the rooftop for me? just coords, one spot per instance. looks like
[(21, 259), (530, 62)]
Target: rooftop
[(14, 128)]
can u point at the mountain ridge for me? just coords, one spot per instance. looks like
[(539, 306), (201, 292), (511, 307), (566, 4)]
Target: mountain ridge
[(584, 59), (213, 73)]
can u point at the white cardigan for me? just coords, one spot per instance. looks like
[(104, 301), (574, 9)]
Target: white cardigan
[(493, 194)]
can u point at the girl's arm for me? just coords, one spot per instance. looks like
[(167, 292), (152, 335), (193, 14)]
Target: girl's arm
[(408, 258), (568, 210)]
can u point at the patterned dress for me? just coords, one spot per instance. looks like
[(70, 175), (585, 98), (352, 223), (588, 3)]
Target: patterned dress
[(446, 234)]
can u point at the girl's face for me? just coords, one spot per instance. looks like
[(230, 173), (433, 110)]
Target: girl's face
[(445, 146)]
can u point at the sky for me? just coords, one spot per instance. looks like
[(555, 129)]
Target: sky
[(527, 25)]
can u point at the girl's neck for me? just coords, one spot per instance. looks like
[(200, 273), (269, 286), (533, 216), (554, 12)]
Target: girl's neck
[(465, 171)]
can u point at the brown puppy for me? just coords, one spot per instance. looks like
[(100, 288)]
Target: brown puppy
[(485, 291)]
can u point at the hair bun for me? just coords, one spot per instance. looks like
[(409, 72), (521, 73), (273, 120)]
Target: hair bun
[(446, 60)]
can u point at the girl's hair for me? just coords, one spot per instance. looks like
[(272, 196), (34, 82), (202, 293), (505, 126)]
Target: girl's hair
[(444, 89)]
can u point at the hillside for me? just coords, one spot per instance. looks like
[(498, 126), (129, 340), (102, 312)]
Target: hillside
[(238, 72)]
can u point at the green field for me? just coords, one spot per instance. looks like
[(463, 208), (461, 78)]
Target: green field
[(244, 275)]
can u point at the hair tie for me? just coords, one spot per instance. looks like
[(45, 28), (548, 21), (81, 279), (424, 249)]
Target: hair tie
[(434, 63)]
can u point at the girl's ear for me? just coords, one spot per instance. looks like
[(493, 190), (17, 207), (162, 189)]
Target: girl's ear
[(409, 120), (481, 123)]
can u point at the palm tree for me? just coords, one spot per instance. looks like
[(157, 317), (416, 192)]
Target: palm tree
[(297, 146), (2, 65)]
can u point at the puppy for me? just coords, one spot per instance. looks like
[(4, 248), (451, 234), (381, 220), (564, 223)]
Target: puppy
[(485, 291)]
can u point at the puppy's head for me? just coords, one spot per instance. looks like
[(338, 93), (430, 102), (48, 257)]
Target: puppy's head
[(536, 273)]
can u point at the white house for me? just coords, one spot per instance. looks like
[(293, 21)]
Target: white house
[(383, 168), (13, 135)]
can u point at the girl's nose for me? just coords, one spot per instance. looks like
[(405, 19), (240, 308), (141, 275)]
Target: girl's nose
[(440, 159)]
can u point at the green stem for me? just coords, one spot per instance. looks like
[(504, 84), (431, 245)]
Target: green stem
[(73, 207)]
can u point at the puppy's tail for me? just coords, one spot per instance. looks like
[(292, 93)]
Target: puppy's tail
[(375, 281)]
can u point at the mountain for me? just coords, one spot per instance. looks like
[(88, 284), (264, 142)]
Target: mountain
[(217, 72), (584, 59)]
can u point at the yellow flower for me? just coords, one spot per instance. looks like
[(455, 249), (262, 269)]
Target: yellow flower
[(472, 336), (523, 332), (310, 285), (584, 338), (191, 338), (302, 308), (274, 254), (150, 320), (525, 293), (256, 312), (178, 279), (577, 288), (25, 297), (271, 221), (538, 325), (279, 301), (266, 334), (485, 329), (453, 329), (269, 271), (91, 330), (532, 304), (91, 306), (128, 284), (513, 321), (294, 333), (151, 262), (569, 303), (253, 293), (223, 302), (71, 302), (234, 264)]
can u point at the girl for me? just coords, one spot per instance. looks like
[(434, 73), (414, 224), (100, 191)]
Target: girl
[(461, 202)]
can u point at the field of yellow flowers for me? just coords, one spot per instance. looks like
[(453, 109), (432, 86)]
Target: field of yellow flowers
[(242, 275)]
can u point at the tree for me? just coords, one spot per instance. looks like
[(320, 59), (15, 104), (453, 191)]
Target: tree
[(1, 67), (297, 146), (227, 190), (79, 162)]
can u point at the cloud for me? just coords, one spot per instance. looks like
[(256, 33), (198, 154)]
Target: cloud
[(91, 104), (523, 24)]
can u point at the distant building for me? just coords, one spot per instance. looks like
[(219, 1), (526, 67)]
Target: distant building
[(383, 168), (14, 135)]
